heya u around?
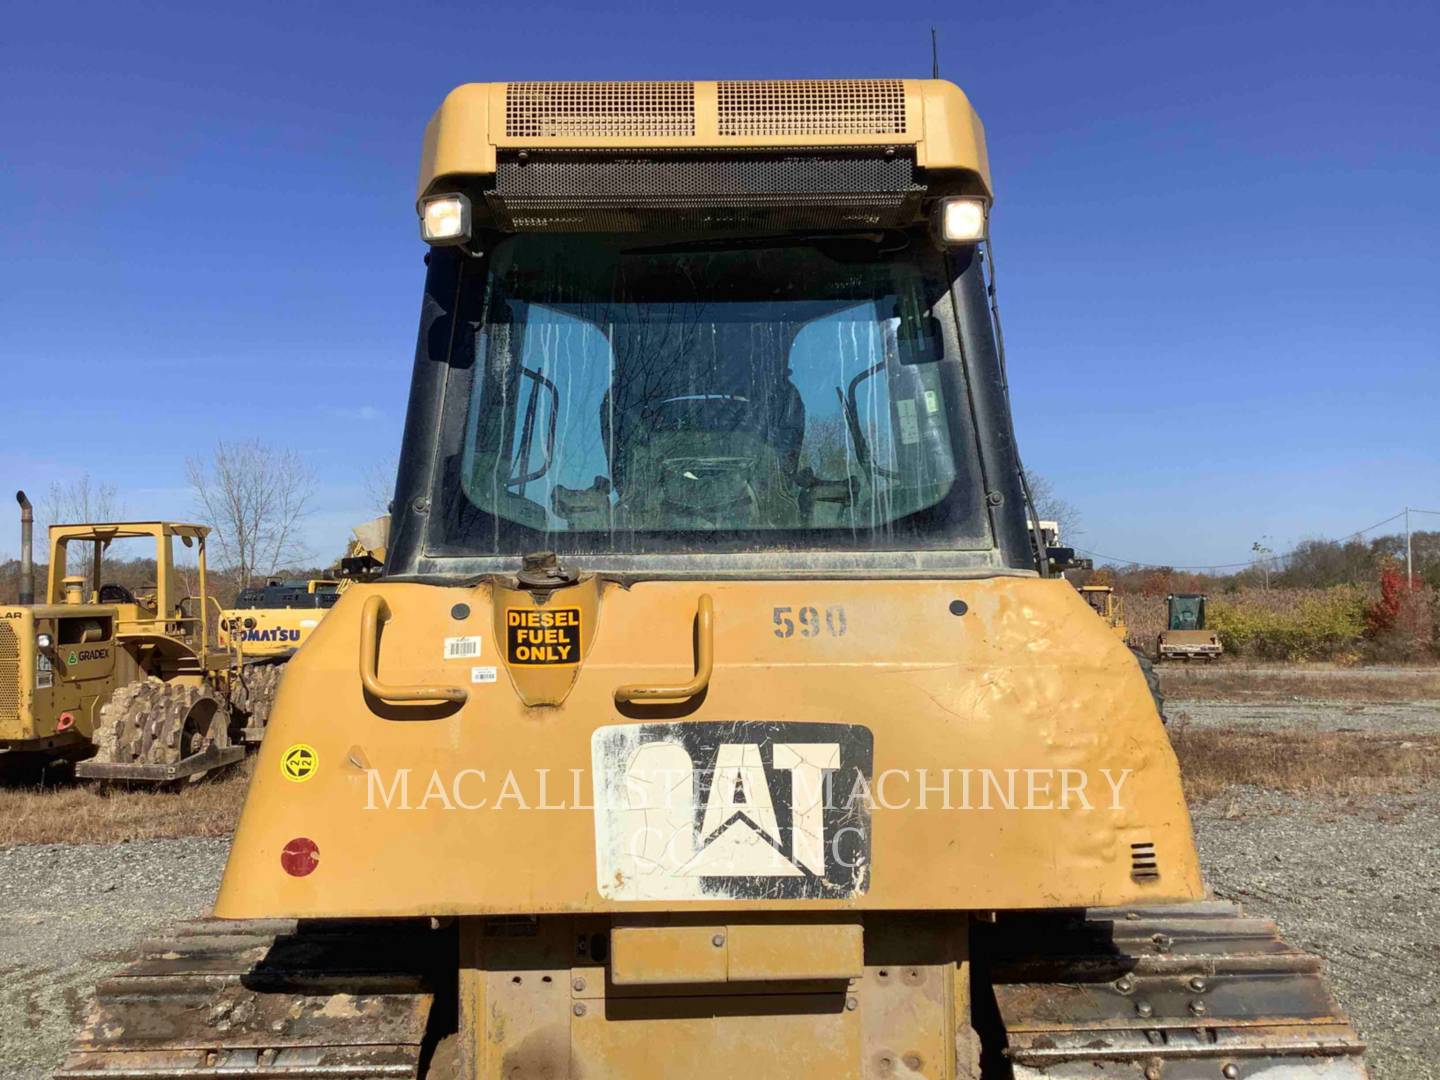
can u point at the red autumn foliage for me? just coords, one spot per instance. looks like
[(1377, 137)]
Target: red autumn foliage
[(1382, 614)]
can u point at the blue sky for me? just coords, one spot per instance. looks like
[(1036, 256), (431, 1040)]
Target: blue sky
[(1217, 230)]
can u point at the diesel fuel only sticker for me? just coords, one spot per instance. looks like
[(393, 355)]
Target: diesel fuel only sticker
[(536, 636)]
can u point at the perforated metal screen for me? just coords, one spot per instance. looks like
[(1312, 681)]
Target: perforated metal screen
[(584, 177), (599, 109), (819, 107), (559, 190), (9, 675)]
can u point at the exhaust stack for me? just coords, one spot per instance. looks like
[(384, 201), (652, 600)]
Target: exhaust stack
[(27, 550)]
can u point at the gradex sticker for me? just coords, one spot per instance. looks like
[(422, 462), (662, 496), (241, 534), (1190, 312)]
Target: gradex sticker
[(542, 635), (743, 810), (299, 762)]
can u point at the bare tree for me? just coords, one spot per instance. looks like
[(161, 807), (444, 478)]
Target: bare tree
[(1051, 507), (379, 483), (255, 498), (80, 501)]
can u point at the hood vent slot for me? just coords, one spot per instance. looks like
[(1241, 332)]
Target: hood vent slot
[(813, 107), (1144, 865), (599, 110)]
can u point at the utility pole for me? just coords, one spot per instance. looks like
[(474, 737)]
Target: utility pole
[(1409, 561), (1264, 554)]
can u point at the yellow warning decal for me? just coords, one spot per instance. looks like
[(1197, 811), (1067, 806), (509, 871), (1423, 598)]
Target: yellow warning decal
[(542, 635), (299, 762)]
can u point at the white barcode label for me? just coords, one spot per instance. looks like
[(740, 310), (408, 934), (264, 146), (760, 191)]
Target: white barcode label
[(462, 648), (483, 675)]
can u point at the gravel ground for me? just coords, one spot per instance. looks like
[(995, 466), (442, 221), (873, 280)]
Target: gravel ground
[(1354, 882), (65, 913)]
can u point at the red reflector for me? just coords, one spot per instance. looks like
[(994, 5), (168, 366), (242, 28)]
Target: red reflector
[(66, 722), (300, 857)]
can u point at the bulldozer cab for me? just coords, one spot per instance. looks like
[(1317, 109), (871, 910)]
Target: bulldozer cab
[(643, 396), (165, 609), (1186, 611)]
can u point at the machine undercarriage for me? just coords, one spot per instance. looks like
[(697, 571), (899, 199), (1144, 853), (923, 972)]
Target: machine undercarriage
[(1183, 992)]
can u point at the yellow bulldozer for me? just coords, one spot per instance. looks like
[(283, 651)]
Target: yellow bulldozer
[(126, 684), (713, 714)]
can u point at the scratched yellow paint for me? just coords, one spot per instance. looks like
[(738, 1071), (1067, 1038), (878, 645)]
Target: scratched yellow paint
[(1026, 679)]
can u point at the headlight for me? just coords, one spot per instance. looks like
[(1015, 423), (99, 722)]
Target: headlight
[(43, 641), (961, 221), (445, 219)]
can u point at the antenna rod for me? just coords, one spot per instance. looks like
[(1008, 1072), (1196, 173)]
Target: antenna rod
[(934, 55)]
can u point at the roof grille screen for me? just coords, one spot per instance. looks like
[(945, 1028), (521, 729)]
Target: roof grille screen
[(9, 674), (819, 107), (599, 109), (580, 191)]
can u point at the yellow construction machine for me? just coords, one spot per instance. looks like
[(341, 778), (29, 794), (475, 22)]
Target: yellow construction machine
[(1108, 606), (275, 618), (124, 683), (269, 622), (712, 715), (1186, 637), (264, 628)]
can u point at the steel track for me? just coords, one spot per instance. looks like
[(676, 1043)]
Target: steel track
[(268, 999), (1176, 992)]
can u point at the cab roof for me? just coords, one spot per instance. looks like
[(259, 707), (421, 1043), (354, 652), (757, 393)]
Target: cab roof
[(115, 530), (477, 121)]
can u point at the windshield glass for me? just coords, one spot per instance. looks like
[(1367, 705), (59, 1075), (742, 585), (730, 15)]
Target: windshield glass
[(770, 394)]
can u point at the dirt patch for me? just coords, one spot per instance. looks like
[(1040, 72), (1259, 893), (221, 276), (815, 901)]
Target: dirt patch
[(1344, 764), (66, 811)]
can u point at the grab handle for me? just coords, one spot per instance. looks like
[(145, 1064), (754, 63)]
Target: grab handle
[(374, 610), (704, 664)]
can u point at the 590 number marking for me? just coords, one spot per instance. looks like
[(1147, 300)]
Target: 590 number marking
[(811, 624)]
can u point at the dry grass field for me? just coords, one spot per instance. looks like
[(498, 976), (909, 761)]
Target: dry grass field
[(64, 812), (1336, 763), (1228, 681)]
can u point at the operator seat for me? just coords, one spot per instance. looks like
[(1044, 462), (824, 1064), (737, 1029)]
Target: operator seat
[(111, 593), (710, 458)]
